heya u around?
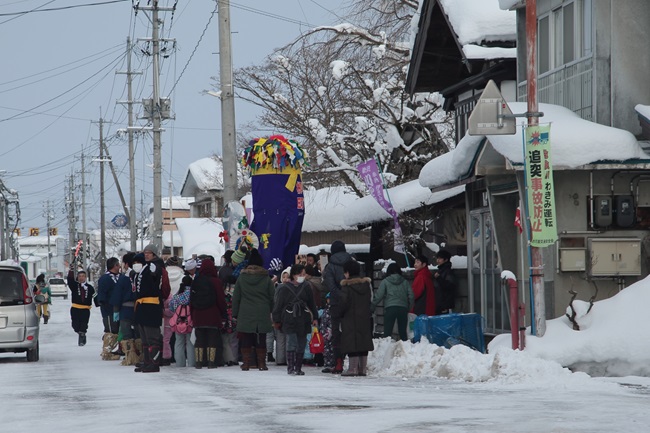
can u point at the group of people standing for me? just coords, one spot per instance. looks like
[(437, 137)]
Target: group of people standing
[(234, 314)]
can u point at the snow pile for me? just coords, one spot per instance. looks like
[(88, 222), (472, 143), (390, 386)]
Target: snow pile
[(407, 360), (613, 340)]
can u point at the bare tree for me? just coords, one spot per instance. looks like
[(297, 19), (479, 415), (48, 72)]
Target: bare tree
[(340, 89)]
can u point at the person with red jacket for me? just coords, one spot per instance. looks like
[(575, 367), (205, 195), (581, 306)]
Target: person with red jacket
[(423, 289)]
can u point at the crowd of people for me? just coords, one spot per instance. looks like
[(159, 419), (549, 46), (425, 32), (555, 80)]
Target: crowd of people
[(194, 313)]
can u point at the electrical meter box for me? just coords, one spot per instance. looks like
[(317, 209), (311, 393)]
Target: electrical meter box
[(615, 257), (603, 212), (625, 212)]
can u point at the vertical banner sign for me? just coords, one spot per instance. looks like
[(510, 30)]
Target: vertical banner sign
[(370, 174), (539, 177)]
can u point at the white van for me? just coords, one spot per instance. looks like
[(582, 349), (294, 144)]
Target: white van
[(58, 287)]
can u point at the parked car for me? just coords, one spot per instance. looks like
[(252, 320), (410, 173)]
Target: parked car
[(58, 287), (18, 319)]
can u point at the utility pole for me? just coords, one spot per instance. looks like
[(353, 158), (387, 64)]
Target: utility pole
[(537, 261), (228, 138), (117, 182), (129, 104), (48, 216), (102, 256), (85, 248), (72, 222), (171, 215), (157, 116)]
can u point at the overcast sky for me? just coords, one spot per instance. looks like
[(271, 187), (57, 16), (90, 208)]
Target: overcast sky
[(57, 78)]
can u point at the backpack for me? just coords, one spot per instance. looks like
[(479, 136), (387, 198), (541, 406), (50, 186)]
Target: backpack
[(296, 308), (202, 294), (181, 321)]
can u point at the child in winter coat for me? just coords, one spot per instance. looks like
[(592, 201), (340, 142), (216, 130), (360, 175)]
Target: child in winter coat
[(183, 347), (326, 331)]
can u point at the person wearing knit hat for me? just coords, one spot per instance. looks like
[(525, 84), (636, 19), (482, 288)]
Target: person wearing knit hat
[(238, 256), (337, 247), (151, 248)]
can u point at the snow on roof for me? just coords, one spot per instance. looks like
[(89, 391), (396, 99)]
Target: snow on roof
[(479, 21), (208, 173), (509, 4), (612, 341), (488, 53), (178, 202), (405, 197), (643, 110), (574, 142), (350, 248), (200, 236), (325, 208), (38, 240)]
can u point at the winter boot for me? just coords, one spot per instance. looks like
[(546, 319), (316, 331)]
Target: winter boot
[(137, 345), (154, 357), (198, 357), (269, 355), (45, 319), (130, 357), (109, 341), (261, 358), (299, 356), (82, 339), (338, 369), (363, 363), (353, 367), (291, 361), (212, 357), (147, 360), (246, 355)]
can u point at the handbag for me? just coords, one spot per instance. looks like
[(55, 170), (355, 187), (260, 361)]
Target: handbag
[(316, 344), (181, 321)]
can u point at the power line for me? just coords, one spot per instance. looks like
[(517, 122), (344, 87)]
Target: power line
[(9, 14)]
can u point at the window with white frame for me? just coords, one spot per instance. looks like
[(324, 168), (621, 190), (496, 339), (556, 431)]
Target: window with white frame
[(564, 34)]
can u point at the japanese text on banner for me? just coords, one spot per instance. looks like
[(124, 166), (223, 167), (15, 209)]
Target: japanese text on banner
[(539, 178)]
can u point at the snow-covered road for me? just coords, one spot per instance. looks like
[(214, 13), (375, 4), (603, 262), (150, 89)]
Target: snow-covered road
[(71, 390)]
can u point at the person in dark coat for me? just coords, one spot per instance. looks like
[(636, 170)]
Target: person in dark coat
[(355, 318), (151, 287), (123, 300), (81, 294), (294, 313), (208, 321), (252, 305), (445, 283), (332, 277), (105, 287)]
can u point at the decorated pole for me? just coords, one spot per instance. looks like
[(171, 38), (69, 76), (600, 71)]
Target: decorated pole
[(275, 165)]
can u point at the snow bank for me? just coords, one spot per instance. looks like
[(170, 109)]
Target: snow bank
[(407, 360), (614, 339)]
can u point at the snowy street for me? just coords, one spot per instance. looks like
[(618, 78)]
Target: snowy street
[(72, 390)]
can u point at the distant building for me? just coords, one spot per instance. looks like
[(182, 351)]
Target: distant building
[(33, 251)]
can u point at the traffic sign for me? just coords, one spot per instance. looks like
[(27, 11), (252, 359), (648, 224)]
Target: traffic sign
[(491, 115)]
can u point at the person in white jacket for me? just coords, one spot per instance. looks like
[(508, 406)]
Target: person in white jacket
[(175, 273)]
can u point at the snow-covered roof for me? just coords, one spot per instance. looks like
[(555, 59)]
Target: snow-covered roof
[(200, 236), (574, 141), (477, 22), (350, 248), (206, 174), (404, 198), (178, 202), (37, 240), (509, 4), (325, 208), (643, 110)]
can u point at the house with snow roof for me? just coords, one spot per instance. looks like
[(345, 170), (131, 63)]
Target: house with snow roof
[(204, 186), (592, 76)]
